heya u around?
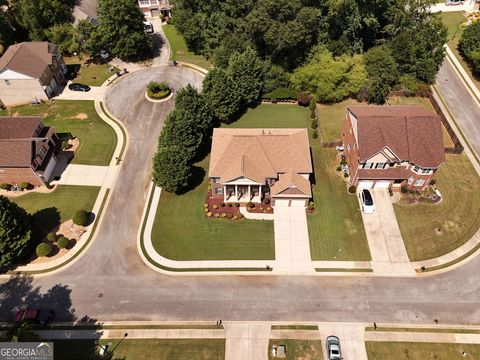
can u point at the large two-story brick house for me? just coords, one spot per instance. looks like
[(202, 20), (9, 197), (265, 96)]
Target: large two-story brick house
[(392, 146), (27, 150), (29, 71), (249, 165)]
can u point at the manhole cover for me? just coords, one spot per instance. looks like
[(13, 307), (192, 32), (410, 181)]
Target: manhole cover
[(100, 295)]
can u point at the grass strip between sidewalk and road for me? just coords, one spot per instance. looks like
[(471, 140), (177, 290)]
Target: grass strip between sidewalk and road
[(422, 330), (124, 145), (294, 327), (357, 270)]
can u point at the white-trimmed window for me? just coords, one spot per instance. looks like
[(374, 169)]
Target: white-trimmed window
[(420, 170), (7, 82), (419, 182), (380, 165), (42, 152), (368, 165), (410, 180), (218, 190)]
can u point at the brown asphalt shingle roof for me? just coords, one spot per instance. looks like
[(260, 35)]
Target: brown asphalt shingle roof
[(18, 127), (258, 153), (413, 133), (28, 58), (290, 181)]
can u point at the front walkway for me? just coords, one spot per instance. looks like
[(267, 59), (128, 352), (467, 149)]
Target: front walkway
[(385, 241), (292, 246), (246, 341)]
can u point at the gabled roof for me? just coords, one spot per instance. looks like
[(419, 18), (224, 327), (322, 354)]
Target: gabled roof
[(258, 153), (291, 183), (413, 133), (28, 58), (16, 153), (18, 127)]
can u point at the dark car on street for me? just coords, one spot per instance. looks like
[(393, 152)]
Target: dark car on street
[(79, 87), (39, 316)]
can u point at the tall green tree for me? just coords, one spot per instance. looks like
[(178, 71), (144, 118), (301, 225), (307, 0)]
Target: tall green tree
[(38, 16), (66, 36), (331, 79), (221, 95), (121, 29), (382, 72), (15, 232), (470, 45), (171, 168)]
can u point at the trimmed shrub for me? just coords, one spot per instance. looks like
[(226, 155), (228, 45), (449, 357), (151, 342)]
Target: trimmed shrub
[(26, 186), (158, 90), (314, 124), (52, 237), (266, 201), (352, 189), (209, 214), (312, 104), (237, 204), (62, 243), (339, 168), (311, 205), (80, 218), (224, 215), (235, 217), (229, 215), (313, 115), (215, 206), (222, 205), (315, 134), (433, 182), (345, 175), (5, 186), (404, 189), (251, 205), (240, 216), (303, 99), (43, 249), (216, 215), (230, 204), (281, 93), (409, 84), (65, 145), (205, 205)]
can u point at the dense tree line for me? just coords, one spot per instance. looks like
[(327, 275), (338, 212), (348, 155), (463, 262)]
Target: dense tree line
[(300, 36), (470, 45)]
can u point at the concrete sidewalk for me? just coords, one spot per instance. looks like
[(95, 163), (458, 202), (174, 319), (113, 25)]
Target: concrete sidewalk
[(246, 341), (430, 337)]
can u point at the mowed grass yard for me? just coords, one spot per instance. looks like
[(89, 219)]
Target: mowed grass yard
[(179, 50), (97, 138), (50, 209), (298, 349), (144, 349), (434, 230), (417, 351), (89, 72)]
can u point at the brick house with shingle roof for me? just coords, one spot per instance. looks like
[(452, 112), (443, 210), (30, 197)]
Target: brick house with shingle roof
[(30, 70), (392, 146), (27, 150), (249, 165)]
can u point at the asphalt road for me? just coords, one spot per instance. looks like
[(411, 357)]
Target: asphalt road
[(110, 282), (460, 103)]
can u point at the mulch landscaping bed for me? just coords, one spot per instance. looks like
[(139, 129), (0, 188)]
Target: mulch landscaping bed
[(260, 208), (218, 209)]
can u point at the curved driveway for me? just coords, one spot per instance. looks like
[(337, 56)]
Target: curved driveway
[(110, 282)]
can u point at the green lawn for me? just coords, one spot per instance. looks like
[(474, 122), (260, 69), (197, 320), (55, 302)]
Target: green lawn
[(434, 230), (181, 230), (179, 50), (417, 351), (52, 208), (97, 138), (330, 119), (89, 72), (144, 349), (297, 349)]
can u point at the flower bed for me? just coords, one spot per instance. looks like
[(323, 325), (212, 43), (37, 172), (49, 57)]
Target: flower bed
[(428, 196), (216, 208), (158, 90), (259, 208)]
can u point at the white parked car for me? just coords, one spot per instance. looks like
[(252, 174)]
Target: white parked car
[(333, 348), (366, 201)]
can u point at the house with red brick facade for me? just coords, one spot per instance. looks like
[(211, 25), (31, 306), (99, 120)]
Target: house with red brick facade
[(251, 165), (27, 150), (392, 146)]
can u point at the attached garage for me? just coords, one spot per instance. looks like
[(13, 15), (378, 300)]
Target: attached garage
[(364, 184), (282, 202), (298, 203), (382, 184)]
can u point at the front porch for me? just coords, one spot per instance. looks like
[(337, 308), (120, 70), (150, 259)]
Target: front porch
[(245, 193)]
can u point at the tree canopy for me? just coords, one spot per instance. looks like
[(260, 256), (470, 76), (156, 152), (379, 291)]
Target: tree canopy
[(171, 168), (470, 45), (15, 232)]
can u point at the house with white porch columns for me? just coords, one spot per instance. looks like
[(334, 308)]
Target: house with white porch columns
[(255, 165)]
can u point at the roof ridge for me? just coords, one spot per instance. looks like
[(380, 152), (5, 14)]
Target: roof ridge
[(298, 147), (408, 140), (265, 153)]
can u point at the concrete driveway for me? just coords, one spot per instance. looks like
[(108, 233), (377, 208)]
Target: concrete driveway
[(384, 238), (95, 93), (292, 246)]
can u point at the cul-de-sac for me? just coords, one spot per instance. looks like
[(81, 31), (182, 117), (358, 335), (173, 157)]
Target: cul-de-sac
[(239, 179)]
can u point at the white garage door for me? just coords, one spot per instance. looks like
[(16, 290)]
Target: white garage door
[(282, 202), (382, 184), (297, 203), (365, 184)]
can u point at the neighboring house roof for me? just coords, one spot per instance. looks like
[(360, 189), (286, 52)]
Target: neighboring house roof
[(258, 154), (413, 133), (85, 10), (18, 142), (291, 184), (28, 58)]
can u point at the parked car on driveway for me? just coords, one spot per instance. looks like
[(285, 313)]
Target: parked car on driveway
[(79, 87), (454, 2), (333, 348), (366, 201)]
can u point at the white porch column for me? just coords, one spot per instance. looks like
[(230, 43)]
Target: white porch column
[(225, 193), (249, 192), (260, 192), (236, 191)]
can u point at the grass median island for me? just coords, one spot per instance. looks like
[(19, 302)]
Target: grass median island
[(179, 50), (297, 349), (65, 199), (430, 230), (143, 349), (78, 117), (409, 351)]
